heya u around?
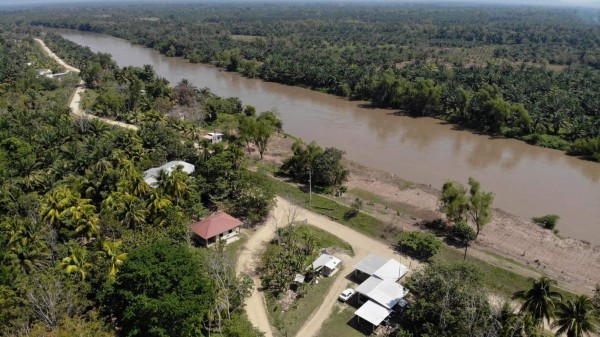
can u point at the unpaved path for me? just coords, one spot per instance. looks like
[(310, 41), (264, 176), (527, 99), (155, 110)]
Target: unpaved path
[(60, 61), (74, 104), (282, 214)]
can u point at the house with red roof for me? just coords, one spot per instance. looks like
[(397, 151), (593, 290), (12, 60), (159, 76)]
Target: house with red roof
[(218, 226)]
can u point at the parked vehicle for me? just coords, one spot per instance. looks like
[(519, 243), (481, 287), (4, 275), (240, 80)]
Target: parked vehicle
[(346, 294)]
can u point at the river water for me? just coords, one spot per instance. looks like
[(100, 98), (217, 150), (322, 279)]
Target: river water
[(526, 180)]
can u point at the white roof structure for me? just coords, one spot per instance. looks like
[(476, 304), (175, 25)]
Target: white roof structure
[(151, 175), (373, 312), (329, 261), (370, 264), (385, 292), (391, 270), (385, 269)]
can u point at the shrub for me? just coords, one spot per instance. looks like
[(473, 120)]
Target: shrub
[(464, 233), (419, 244), (547, 221), (355, 208)]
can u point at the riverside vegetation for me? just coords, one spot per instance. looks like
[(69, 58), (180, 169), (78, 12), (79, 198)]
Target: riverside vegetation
[(529, 74), (92, 250)]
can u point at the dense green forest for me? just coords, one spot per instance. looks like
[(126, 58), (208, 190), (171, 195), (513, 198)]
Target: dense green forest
[(527, 73), (81, 231), (89, 249)]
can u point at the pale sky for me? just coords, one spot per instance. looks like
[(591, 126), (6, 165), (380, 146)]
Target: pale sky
[(586, 3)]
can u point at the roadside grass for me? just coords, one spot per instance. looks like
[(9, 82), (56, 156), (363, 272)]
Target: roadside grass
[(325, 239), (497, 280), (362, 222), (337, 323), (291, 321), (366, 195)]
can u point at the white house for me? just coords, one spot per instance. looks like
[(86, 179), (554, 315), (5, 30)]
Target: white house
[(151, 175), (214, 137), (326, 264)]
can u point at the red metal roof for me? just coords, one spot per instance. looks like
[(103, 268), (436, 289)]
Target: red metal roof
[(215, 224)]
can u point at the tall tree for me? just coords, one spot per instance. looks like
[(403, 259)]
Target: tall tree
[(540, 300), (576, 318), (480, 205), (454, 202)]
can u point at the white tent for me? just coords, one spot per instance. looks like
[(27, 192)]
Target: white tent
[(373, 313)]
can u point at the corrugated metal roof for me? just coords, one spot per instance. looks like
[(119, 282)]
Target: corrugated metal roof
[(373, 312), (370, 264)]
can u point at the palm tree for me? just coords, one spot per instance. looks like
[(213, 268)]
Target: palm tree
[(540, 300), (576, 318), (112, 250), (55, 204), (26, 247), (76, 262), (521, 325), (130, 212), (157, 204)]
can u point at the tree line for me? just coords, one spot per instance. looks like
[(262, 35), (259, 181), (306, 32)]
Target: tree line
[(423, 61)]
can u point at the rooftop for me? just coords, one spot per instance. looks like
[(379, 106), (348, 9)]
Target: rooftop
[(385, 292), (373, 312), (329, 261), (214, 225), (151, 175)]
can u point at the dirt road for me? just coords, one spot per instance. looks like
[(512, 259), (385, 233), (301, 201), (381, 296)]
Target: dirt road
[(74, 104), (281, 215), (60, 61)]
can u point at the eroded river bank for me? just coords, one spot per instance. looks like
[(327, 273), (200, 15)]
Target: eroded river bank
[(526, 180)]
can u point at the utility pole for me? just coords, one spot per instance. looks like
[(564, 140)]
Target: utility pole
[(310, 188)]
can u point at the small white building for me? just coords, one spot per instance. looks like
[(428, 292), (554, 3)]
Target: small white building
[(214, 137), (326, 264), (151, 175), (45, 72)]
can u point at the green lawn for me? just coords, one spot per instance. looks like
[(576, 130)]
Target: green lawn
[(342, 323), (291, 321), (325, 239), (363, 223)]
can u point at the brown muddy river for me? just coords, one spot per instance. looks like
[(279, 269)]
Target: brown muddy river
[(526, 180)]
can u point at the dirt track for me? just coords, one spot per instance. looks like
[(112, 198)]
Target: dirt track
[(74, 103), (281, 214)]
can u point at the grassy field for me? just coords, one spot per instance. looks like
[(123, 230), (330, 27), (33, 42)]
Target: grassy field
[(363, 223), (342, 323), (289, 322), (325, 239)]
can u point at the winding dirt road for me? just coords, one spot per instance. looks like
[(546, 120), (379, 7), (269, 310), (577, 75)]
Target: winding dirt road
[(75, 101), (283, 212)]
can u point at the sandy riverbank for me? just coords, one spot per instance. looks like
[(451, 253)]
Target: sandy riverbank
[(573, 263)]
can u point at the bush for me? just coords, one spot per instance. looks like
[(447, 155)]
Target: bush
[(547, 221), (419, 244), (355, 208), (464, 233)]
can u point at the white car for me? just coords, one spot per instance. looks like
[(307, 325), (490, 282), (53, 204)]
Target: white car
[(346, 294)]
